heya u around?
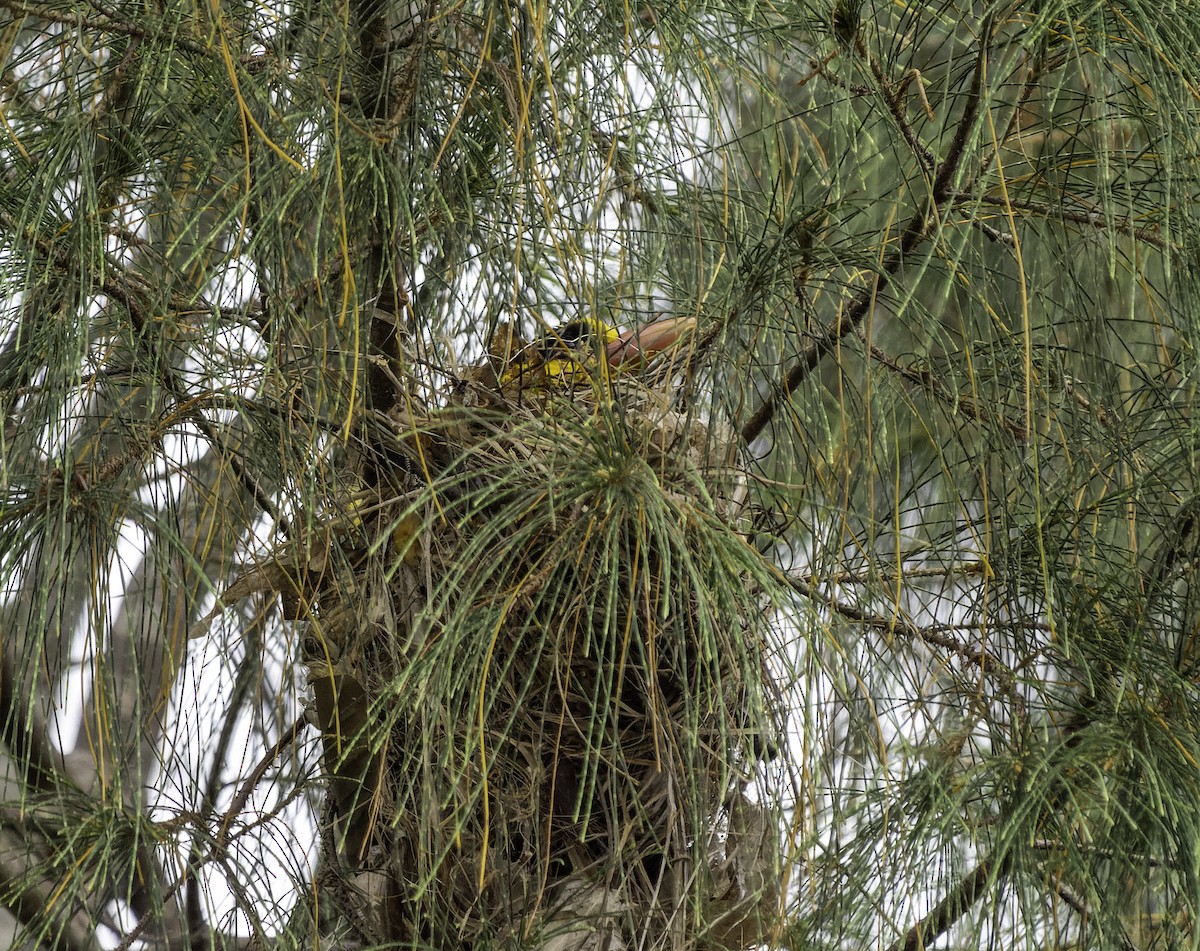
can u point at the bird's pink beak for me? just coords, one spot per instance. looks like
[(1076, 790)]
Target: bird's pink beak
[(639, 345)]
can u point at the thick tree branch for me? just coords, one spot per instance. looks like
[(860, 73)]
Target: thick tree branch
[(850, 317), (941, 197), (949, 910)]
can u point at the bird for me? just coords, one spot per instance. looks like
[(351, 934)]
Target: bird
[(570, 355), (586, 350)]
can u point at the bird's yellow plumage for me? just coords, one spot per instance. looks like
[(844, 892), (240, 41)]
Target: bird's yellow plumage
[(572, 355), (586, 350)]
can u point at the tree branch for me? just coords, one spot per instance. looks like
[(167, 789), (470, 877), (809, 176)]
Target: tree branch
[(105, 24), (960, 900), (942, 192), (961, 404)]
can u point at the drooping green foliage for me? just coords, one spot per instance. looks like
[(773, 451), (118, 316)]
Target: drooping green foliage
[(259, 264)]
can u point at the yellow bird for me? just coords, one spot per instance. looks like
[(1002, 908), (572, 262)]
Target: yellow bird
[(572, 353), (567, 356), (587, 348)]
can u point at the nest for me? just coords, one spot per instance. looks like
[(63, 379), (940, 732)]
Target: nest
[(537, 657)]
